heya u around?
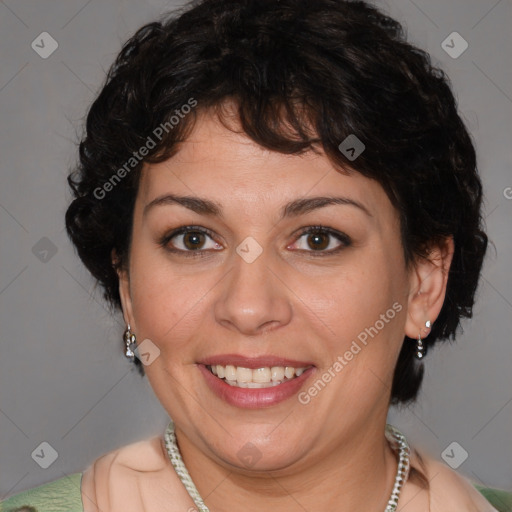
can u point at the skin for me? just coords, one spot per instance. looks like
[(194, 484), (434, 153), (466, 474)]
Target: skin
[(290, 302)]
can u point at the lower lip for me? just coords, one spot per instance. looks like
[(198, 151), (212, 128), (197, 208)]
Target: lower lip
[(251, 398)]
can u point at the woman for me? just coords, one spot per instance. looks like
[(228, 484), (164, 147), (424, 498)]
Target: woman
[(283, 201)]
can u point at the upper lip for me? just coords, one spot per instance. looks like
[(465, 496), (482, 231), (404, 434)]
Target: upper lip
[(253, 362)]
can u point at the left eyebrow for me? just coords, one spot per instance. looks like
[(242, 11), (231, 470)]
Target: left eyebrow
[(301, 206), (292, 209)]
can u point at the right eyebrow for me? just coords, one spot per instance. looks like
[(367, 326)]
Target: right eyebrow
[(196, 204)]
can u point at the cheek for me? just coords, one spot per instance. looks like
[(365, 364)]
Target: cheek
[(366, 312), (356, 299), (367, 315), (166, 305)]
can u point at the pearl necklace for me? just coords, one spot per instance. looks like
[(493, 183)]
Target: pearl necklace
[(396, 439)]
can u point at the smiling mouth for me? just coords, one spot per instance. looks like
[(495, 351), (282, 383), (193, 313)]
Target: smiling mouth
[(258, 378)]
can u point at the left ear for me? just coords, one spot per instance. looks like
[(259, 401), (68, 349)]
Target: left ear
[(428, 280), (124, 291)]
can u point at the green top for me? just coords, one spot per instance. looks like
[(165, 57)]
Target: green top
[(500, 500), (63, 495)]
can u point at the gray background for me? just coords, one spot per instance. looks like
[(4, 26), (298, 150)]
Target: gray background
[(64, 379)]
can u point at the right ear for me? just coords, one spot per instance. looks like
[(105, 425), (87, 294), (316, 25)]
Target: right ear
[(124, 290)]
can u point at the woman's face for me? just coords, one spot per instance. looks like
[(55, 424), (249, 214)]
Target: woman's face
[(254, 284)]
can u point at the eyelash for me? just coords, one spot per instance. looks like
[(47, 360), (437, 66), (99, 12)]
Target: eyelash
[(201, 253)]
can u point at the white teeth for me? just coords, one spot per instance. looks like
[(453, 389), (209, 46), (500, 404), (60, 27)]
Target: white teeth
[(258, 378), (220, 371), (261, 375), (243, 374), (277, 373), (230, 372), (254, 385), (262, 384)]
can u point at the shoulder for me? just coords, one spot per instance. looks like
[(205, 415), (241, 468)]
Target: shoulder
[(142, 456), (138, 476), (449, 490), (62, 495)]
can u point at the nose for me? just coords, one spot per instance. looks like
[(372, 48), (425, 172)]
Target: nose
[(253, 299)]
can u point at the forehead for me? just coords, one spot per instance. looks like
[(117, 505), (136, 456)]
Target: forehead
[(229, 167)]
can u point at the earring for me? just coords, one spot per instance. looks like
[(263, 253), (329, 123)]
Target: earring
[(129, 339), (420, 348)]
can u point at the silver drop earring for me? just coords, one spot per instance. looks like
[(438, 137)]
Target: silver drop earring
[(420, 348), (129, 340)]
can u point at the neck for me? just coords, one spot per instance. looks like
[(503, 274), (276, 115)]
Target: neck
[(356, 474)]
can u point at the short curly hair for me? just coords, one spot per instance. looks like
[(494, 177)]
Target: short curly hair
[(303, 76)]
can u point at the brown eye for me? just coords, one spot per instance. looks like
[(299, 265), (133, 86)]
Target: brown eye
[(321, 240), (193, 240), (318, 241), (189, 239)]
